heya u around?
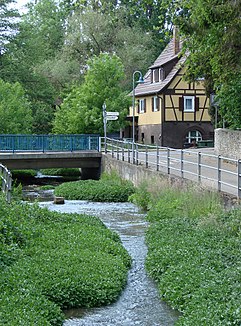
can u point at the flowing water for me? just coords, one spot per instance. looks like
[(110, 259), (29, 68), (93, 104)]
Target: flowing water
[(139, 303)]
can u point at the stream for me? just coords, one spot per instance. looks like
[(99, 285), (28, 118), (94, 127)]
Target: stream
[(139, 303)]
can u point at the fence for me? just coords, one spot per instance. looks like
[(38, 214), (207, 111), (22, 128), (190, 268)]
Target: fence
[(199, 165), (6, 183), (44, 143)]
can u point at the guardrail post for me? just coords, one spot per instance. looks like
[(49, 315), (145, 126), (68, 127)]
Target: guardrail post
[(239, 178), (182, 174), (157, 158), (146, 157), (137, 154), (168, 160), (199, 166), (117, 152), (219, 173), (112, 148), (129, 154)]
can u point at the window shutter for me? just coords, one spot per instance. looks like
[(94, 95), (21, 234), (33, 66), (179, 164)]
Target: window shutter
[(180, 103), (144, 105), (152, 103), (196, 103), (138, 106)]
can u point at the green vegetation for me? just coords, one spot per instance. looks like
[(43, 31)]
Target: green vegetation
[(109, 188), (194, 254), (50, 261), (23, 174)]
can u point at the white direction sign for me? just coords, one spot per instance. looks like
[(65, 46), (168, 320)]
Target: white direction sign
[(112, 114), (112, 117)]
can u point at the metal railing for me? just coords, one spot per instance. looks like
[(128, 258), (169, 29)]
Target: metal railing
[(6, 182), (197, 164), (45, 143)]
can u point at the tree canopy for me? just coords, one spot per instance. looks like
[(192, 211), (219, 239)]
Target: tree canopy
[(81, 111), (15, 112)]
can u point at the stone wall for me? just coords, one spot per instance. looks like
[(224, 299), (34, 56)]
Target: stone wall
[(228, 143)]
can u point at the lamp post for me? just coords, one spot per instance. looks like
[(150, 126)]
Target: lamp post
[(140, 81)]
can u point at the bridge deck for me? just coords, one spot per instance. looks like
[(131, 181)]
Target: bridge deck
[(39, 160)]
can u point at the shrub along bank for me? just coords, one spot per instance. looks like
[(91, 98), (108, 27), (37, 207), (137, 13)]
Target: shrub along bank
[(110, 188), (51, 261), (194, 255)]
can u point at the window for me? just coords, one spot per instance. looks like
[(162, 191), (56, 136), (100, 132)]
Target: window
[(152, 140), (193, 136), (161, 74), (189, 104), (155, 104), (142, 106)]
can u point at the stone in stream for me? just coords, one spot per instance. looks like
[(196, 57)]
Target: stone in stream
[(59, 200)]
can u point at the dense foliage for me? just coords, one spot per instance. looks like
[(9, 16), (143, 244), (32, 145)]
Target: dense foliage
[(108, 189), (15, 112), (81, 111), (50, 261), (194, 255)]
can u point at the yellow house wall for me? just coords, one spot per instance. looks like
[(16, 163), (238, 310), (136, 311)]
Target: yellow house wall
[(149, 117)]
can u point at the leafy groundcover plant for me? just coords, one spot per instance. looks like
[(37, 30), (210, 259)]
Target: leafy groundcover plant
[(52, 261), (110, 188), (194, 255)]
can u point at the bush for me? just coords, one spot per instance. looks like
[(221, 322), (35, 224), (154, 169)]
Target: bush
[(194, 255), (105, 190)]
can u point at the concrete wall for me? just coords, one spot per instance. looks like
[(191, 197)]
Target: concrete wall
[(228, 143), (136, 174)]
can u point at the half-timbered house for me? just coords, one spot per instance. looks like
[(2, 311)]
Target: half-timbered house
[(169, 110)]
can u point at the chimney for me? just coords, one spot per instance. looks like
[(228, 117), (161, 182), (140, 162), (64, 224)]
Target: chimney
[(176, 40)]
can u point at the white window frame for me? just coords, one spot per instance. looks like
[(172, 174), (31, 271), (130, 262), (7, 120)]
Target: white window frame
[(142, 105), (187, 109), (190, 137), (155, 99)]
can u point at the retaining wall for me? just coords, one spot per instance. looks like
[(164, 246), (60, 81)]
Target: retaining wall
[(228, 143), (135, 174)]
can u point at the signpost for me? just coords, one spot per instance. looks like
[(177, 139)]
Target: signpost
[(108, 116)]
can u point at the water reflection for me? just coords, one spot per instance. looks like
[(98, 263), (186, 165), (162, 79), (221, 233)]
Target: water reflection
[(139, 303)]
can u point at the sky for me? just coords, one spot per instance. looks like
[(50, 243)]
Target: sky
[(20, 4)]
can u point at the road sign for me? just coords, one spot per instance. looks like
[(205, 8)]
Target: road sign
[(112, 114), (111, 117)]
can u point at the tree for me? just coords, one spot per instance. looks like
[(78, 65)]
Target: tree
[(26, 58), (211, 33), (15, 112), (92, 33), (8, 22), (81, 111)]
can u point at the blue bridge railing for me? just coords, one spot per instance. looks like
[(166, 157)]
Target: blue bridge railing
[(46, 143)]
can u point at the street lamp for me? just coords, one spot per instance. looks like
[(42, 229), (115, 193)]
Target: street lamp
[(140, 81)]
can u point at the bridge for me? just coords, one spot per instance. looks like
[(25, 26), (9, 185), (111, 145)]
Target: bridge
[(137, 160), (19, 152)]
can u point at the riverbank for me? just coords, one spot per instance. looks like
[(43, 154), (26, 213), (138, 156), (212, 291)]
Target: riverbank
[(56, 261), (194, 253)]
